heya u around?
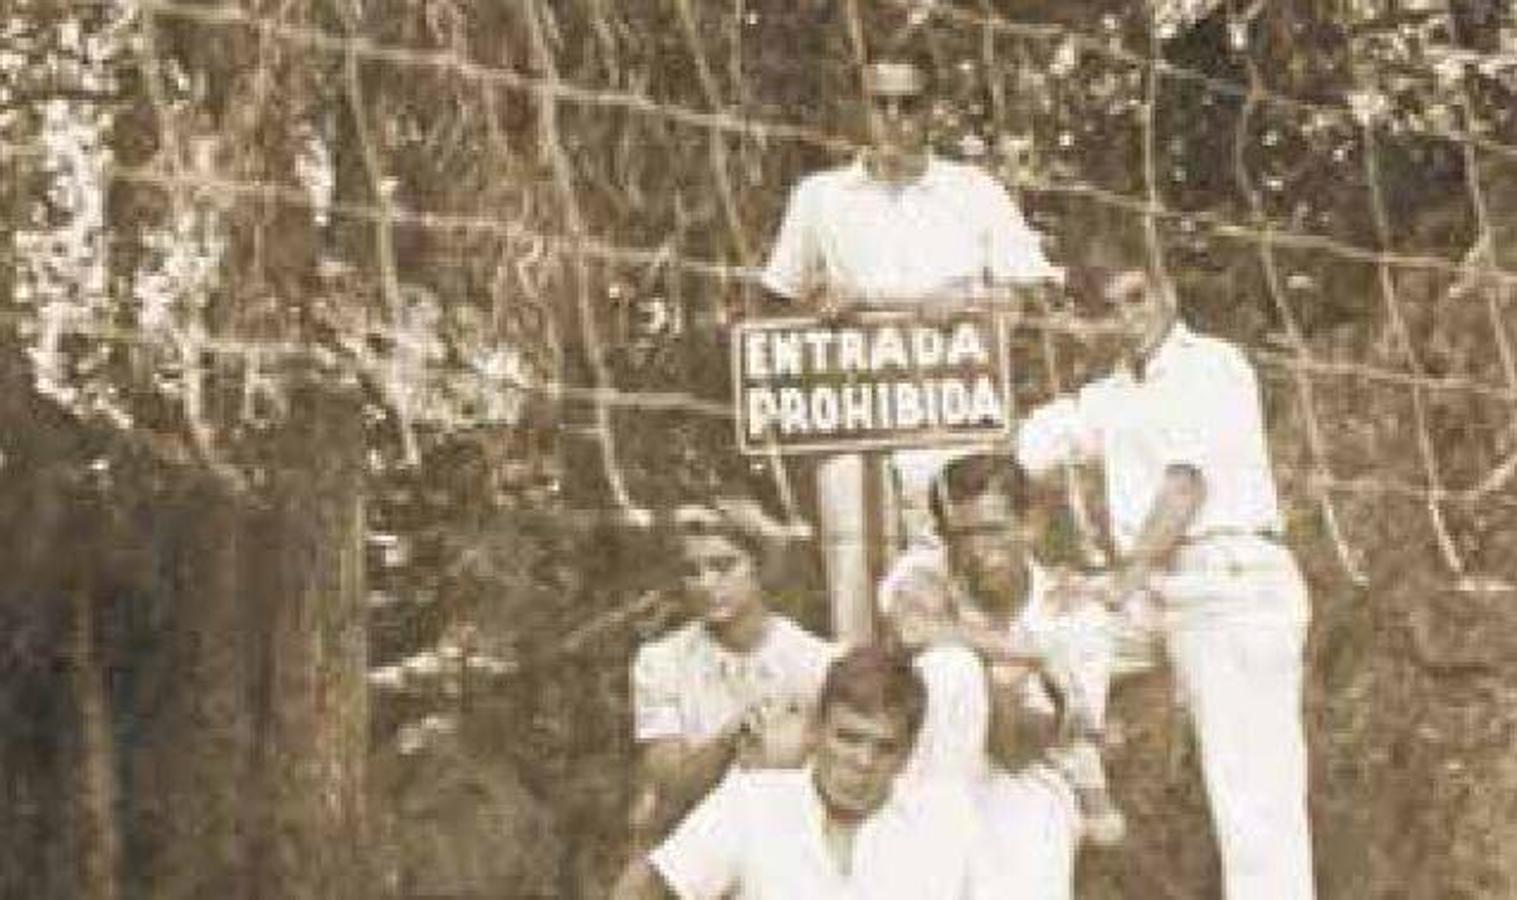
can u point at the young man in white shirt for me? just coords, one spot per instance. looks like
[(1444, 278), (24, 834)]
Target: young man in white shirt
[(838, 829), (982, 615), (897, 227), (735, 685), (1178, 430)]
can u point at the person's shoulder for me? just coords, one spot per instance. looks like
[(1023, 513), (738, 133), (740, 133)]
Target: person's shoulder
[(1214, 355), (672, 645), (770, 781), (942, 808), (969, 177), (766, 791), (1106, 386), (826, 180), (791, 635)]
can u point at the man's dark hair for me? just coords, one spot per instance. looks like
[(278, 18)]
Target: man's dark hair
[(973, 476), (875, 679), (1110, 250), (912, 53), (721, 520)]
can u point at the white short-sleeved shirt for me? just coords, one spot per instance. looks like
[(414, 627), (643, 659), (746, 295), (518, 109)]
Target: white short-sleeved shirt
[(1198, 405), (686, 685), (759, 836), (953, 229)]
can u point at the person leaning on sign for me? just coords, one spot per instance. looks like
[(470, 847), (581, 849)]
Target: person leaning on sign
[(839, 828), (735, 685), (1179, 433), (899, 227)]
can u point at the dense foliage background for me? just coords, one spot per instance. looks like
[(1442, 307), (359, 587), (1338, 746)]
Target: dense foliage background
[(351, 351)]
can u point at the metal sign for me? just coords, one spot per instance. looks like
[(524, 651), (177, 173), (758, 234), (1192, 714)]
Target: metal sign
[(882, 379)]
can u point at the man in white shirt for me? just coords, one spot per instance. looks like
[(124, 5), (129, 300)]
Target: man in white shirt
[(736, 684), (1178, 430), (897, 227), (981, 614), (837, 830)]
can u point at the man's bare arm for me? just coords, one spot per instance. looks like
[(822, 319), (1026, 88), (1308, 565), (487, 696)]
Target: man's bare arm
[(1174, 508), (997, 646), (1019, 733), (918, 624), (683, 771), (640, 881)]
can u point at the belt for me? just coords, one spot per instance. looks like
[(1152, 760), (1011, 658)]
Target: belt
[(1269, 534), (1231, 550)]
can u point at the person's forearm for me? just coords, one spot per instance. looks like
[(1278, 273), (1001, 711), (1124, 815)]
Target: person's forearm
[(684, 771), (1174, 508), (1014, 646), (1052, 435), (1018, 734)]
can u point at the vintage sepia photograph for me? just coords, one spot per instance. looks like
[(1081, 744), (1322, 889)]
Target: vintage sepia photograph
[(761, 449)]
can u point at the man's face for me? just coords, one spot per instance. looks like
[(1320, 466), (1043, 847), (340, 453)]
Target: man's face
[(1143, 309), (720, 577), (857, 758), (895, 93), (988, 547)]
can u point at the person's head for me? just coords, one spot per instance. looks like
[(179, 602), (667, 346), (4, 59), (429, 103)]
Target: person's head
[(720, 565), (982, 505), (1132, 289), (868, 716), (898, 99)]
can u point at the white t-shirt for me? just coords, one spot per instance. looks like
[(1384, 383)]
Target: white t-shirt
[(1197, 405), (955, 229), (759, 836), (686, 685)]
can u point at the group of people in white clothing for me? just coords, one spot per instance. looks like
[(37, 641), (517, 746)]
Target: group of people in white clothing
[(776, 764), (953, 751)]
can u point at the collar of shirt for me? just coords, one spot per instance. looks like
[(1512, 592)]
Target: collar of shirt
[(899, 802), (724, 664), (1173, 346), (859, 177), (914, 817)]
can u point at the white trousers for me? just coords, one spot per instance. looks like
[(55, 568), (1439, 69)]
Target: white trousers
[(1084, 648), (1232, 619), (1235, 628)]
